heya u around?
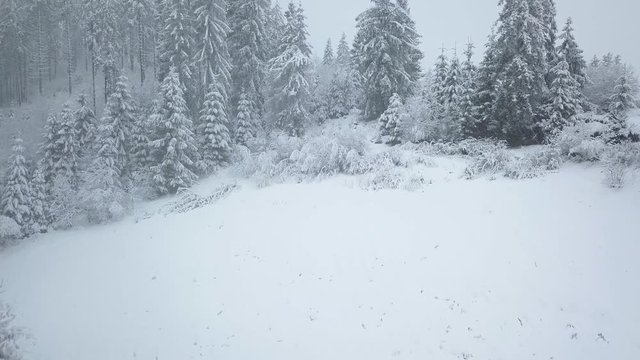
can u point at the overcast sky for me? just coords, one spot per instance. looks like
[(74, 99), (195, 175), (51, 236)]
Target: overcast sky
[(601, 25)]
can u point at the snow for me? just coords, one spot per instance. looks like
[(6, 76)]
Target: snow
[(531, 269)]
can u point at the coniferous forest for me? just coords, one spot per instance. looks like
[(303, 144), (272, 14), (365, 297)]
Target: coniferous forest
[(147, 100)]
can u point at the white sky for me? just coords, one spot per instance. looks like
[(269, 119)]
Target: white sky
[(601, 25)]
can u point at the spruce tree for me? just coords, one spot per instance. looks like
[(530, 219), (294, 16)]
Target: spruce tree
[(50, 151), (248, 48), (274, 29), (329, 56), (520, 56), (390, 121), (16, 196), (343, 53), (245, 129), (214, 131), (565, 99), (85, 126), (386, 54), (622, 99), (572, 54), (469, 87), (68, 146), (440, 74), (175, 150), (40, 214), (117, 122), (453, 83), (291, 72), (211, 40), (177, 44)]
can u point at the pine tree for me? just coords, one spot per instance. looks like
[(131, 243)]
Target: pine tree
[(291, 71), (40, 214), (16, 197), (520, 60), (572, 54), (214, 130), (117, 122), (390, 121), (386, 54), (485, 94), (245, 130), (85, 126), (453, 83), (67, 146), (177, 44), (469, 87), (343, 53), (622, 99), (565, 99), (274, 29), (248, 49), (211, 40), (440, 79), (140, 14), (175, 150), (328, 57), (50, 152)]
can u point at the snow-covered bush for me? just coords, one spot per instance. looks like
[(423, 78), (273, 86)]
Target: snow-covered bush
[(490, 162), (533, 164), (583, 141), (10, 335), (618, 160), (9, 231)]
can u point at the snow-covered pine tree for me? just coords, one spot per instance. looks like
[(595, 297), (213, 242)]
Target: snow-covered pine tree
[(291, 71), (545, 11), (248, 48), (175, 149), (329, 57), (140, 150), (244, 129), (485, 94), (140, 14), (15, 202), (386, 54), (440, 73), (177, 45), (565, 99), (521, 59), (213, 130), (343, 53), (572, 54), (49, 148), (390, 121), (621, 101), (102, 193), (274, 28), (117, 122), (453, 84), (67, 146), (40, 214), (85, 126), (469, 86), (212, 53)]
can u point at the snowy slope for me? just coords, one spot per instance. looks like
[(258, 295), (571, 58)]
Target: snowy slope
[(538, 269)]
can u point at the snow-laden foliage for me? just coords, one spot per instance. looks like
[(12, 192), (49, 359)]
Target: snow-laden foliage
[(85, 126), (386, 54), (175, 149), (245, 127), (15, 199), (390, 121), (9, 231), (570, 51), (603, 74), (10, 334), (565, 101), (213, 130), (291, 72), (211, 43)]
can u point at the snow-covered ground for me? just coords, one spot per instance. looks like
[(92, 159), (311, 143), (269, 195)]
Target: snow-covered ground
[(532, 269)]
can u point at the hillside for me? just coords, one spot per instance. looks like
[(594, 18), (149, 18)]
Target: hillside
[(502, 269)]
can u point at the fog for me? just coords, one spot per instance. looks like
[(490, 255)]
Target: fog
[(601, 26)]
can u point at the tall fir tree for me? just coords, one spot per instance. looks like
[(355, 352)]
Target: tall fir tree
[(386, 54), (15, 202), (212, 53), (177, 45), (291, 73), (85, 126), (520, 61), (68, 146), (329, 57), (565, 99), (248, 48), (213, 130), (40, 212), (117, 123), (622, 99), (274, 29), (440, 74), (175, 149), (469, 87), (244, 129), (343, 53), (572, 54)]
